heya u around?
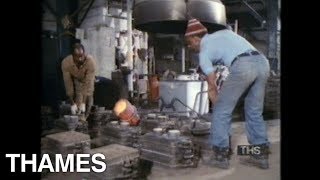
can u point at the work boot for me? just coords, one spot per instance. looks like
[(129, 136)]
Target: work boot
[(259, 160), (220, 158)]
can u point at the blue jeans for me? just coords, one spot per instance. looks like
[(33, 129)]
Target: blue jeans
[(247, 73)]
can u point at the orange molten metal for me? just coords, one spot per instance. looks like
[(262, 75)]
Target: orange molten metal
[(126, 112)]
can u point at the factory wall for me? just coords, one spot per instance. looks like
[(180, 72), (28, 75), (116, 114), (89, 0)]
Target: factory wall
[(100, 43), (101, 14), (99, 32)]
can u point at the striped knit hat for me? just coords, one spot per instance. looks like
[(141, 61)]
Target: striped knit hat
[(195, 27)]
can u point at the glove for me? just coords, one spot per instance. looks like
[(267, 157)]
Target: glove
[(224, 73), (82, 108), (74, 109)]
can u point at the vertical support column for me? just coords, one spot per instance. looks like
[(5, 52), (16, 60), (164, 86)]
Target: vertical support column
[(130, 53), (236, 26), (183, 55), (272, 26), (151, 61), (145, 46), (183, 59), (279, 36)]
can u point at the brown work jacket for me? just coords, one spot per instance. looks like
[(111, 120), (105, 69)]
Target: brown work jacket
[(79, 82)]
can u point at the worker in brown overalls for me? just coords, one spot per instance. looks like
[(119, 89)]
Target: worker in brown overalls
[(79, 76)]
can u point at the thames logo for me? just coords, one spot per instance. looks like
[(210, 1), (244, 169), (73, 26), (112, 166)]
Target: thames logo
[(58, 163)]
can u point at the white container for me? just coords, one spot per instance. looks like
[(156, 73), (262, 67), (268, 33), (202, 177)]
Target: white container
[(162, 117), (151, 115), (174, 133), (114, 122), (157, 130), (183, 77), (188, 92), (124, 124)]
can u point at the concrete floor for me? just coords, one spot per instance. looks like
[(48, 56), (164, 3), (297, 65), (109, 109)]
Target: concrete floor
[(237, 171)]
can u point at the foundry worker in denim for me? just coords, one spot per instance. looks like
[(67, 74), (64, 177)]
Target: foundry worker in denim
[(249, 72)]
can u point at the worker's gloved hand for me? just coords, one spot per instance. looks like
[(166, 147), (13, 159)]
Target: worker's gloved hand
[(224, 72), (74, 109), (82, 108)]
